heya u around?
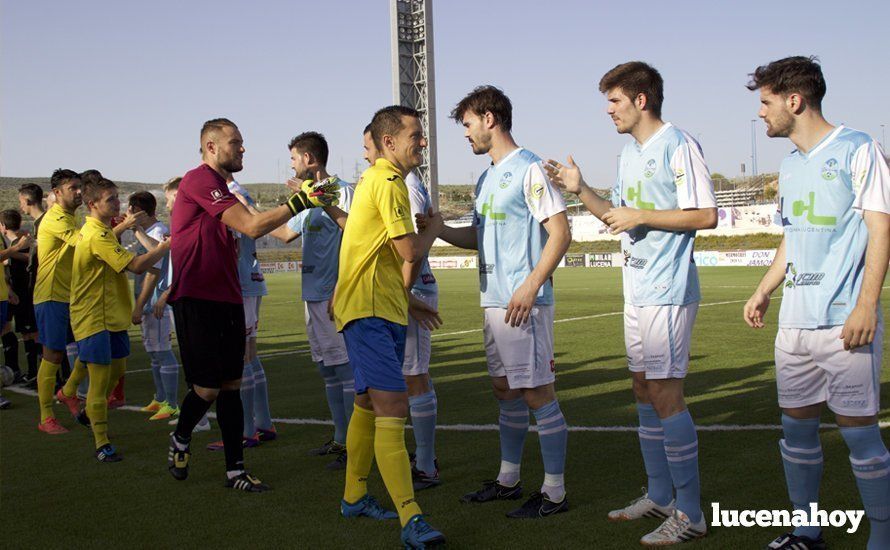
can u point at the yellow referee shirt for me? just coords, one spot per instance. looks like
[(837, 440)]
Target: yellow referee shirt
[(55, 249), (369, 283), (100, 292)]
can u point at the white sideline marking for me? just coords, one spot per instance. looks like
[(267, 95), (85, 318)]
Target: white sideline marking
[(494, 427)]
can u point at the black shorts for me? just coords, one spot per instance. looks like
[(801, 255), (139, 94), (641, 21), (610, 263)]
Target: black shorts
[(211, 340), (23, 315)]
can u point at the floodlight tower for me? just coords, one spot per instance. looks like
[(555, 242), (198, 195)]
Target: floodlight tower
[(413, 81)]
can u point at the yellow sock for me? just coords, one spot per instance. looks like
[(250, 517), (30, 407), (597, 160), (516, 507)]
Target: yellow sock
[(97, 401), (359, 453), (392, 460), (46, 385), (77, 376), (118, 368)]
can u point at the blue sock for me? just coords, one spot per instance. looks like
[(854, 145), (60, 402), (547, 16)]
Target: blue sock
[(247, 399), (423, 420), (160, 395), (169, 376), (802, 458), (660, 487), (681, 448), (347, 380), (513, 425), (871, 466), (333, 390), (554, 435), (262, 413)]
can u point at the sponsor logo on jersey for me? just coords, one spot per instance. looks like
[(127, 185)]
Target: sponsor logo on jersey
[(216, 195), (793, 279), (633, 261), (800, 207), (398, 211), (537, 191), (680, 178), (427, 278), (486, 268), (506, 179), (489, 212), (829, 169), (635, 196)]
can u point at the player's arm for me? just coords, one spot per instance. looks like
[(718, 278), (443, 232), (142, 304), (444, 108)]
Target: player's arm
[(144, 238), (758, 303), (413, 247), (567, 177), (625, 218), (461, 237), (131, 220), (338, 215), (13, 250), (240, 219), (159, 306), (523, 299), (861, 325), (142, 263), (148, 285)]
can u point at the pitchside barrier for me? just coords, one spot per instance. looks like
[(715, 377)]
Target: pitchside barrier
[(744, 258)]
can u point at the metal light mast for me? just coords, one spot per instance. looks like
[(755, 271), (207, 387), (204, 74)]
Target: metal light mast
[(413, 81)]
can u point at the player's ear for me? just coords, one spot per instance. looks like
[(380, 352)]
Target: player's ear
[(641, 101)]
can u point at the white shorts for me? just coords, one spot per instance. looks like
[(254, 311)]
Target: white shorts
[(658, 338), (157, 334), (523, 354), (812, 366), (252, 315), (418, 344), (325, 343)]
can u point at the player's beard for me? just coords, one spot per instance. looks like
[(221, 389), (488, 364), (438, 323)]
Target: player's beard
[(232, 165), (781, 126)]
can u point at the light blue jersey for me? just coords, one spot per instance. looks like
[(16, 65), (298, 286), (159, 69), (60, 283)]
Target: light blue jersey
[(821, 198), (157, 231), (253, 283), (321, 247), (668, 172), (513, 198), (420, 204)]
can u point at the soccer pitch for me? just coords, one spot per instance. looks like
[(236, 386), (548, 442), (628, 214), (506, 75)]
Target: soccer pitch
[(55, 494)]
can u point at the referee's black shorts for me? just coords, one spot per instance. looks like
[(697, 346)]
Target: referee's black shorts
[(211, 339)]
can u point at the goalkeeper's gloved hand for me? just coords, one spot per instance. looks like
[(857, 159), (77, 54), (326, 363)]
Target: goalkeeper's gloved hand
[(314, 195)]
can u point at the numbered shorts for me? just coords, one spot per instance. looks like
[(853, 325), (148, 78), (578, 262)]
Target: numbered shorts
[(157, 334), (523, 354), (418, 344), (376, 352), (325, 343), (252, 315), (812, 366), (658, 338)]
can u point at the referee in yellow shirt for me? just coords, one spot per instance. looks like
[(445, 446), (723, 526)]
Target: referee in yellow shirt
[(371, 310), (101, 304)]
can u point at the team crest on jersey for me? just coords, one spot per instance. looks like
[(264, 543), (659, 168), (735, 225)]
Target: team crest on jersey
[(651, 167), (398, 211), (506, 179), (829, 170)]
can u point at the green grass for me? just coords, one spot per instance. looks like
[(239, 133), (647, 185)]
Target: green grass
[(55, 494)]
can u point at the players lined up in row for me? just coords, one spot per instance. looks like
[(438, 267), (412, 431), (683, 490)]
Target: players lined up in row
[(834, 204)]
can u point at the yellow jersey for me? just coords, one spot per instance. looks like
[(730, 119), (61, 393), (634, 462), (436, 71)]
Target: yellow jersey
[(56, 238), (369, 282), (100, 292)]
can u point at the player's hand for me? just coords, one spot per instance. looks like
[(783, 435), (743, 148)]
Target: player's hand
[(425, 315), (133, 218), (294, 184), (622, 219), (565, 176), (13, 298), (23, 242), (860, 328), (314, 195), (136, 317), (160, 305), (433, 223), (755, 309), (420, 220), (521, 304)]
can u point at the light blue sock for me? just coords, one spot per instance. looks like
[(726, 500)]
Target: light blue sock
[(160, 395), (247, 399), (554, 435), (802, 459), (261, 411), (347, 380), (512, 425), (681, 448), (651, 434), (871, 466), (333, 391), (169, 376), (423, 420)]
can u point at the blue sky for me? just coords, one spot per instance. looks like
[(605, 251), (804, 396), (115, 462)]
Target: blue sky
[(125, 86)]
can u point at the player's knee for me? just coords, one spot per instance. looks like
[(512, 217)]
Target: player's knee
[(207, 394), (855, 421), (641, 390), (417, 384)]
